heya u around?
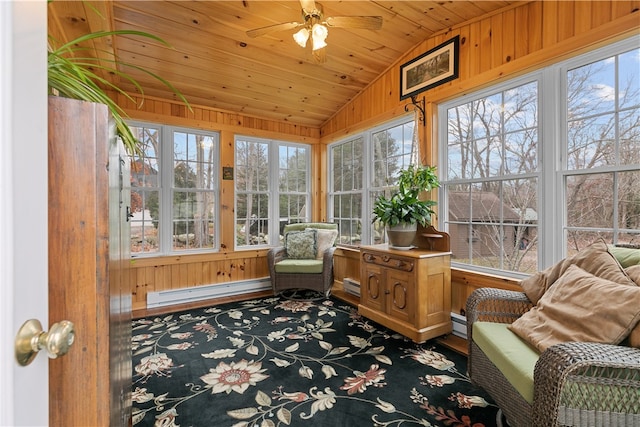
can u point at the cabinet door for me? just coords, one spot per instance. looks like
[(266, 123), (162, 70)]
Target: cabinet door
[(399, 295), (372, 290)]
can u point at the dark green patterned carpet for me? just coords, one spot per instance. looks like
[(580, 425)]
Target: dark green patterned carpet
[(284, 362)]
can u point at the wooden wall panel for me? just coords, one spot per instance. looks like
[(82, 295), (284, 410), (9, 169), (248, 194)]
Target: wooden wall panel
[(165, 273)]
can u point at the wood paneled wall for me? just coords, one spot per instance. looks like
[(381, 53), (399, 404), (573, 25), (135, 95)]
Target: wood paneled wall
[(494, 47)]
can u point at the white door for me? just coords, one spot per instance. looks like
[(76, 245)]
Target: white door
[(24, 391)]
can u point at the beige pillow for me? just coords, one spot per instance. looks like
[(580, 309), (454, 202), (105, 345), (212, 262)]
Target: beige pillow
[(326, 239), (595, 259), (580, 307), (634, 273)]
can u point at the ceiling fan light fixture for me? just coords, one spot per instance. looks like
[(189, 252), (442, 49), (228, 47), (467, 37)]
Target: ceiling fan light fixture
[(301, 37), (318, 35)]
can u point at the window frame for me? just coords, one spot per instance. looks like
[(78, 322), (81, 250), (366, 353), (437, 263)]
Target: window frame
[(273, 191), (551, 150), (166, 159), (368, 170)]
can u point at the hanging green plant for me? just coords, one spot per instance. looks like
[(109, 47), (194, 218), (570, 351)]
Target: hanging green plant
[(74, 74)]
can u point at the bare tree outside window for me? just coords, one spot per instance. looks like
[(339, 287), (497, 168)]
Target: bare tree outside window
[(603, 151), (187, 221), (494, 174), (267, 200)]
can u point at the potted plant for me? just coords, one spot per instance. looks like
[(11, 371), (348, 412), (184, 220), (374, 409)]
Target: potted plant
[(403, 210)]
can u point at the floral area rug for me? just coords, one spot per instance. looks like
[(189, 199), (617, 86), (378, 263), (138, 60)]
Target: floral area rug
[(284, 362)]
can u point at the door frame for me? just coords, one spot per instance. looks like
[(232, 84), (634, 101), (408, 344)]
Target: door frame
[(23, 206)]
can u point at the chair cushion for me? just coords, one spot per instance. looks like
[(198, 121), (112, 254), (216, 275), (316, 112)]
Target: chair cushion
[(312, 266), (581, 307), (625, 256), (326, 239), (301, 244), (509, 353), (595, 259)]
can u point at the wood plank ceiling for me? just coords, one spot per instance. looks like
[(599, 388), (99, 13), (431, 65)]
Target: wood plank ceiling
[(214, 63)]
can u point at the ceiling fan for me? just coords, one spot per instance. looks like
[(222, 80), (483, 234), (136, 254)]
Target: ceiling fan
[(314, 27)]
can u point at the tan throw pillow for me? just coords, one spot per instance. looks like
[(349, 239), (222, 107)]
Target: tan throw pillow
[(301, 244), (580, 307), (326, 239), (634, 273), (594, 259)]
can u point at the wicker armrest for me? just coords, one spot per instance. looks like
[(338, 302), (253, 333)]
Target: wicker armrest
[(496, 305), (587, 384), (274, 256), (327, 261)]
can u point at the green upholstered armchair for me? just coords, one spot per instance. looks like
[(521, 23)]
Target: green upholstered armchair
[(305, 261)]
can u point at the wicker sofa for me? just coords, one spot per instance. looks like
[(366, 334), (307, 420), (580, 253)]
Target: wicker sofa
[(569, 383), (313, 271)]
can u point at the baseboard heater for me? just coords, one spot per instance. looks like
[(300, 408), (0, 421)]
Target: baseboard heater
[(459, 325), (199, 293)]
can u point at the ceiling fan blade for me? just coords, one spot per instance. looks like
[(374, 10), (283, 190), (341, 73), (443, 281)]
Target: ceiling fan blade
[(272, 28), (308, 6), (368, 22)]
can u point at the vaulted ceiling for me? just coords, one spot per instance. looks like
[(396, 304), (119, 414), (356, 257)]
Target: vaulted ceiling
[(213, 62)]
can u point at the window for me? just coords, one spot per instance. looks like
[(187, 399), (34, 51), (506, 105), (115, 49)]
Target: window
[(347, 165), (601, 167), (524, 185), (174, 196), (272, 181), (492, 177), (378, 154)]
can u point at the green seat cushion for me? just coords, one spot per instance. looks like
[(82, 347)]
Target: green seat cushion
[(299, 266), (625, 256), (511, 355)]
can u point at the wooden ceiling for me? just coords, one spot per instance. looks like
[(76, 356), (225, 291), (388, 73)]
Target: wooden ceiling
[(214, 63)]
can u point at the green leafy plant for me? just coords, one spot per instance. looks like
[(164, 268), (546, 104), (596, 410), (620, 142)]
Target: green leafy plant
[(72, 73), (404, 205)]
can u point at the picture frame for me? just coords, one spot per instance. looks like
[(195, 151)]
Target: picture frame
[(227, 173), (434, 67)]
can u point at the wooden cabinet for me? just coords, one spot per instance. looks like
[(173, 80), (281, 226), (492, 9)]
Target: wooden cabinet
[(406, 291)]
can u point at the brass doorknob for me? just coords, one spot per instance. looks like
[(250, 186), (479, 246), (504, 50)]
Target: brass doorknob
[(31, 339)]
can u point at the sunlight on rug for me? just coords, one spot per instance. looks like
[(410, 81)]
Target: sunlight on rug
[(295, 362)]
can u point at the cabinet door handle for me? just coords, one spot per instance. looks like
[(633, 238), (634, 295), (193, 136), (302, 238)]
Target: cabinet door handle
[(387, 292)]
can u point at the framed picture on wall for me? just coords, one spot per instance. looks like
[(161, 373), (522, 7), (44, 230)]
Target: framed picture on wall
[(434, 67)]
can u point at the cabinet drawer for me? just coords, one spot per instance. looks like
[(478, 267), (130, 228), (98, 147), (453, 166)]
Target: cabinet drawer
[(388, 261)]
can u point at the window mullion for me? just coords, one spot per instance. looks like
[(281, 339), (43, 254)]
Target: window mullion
[(273, 191), (167, 190), (553, 143)]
